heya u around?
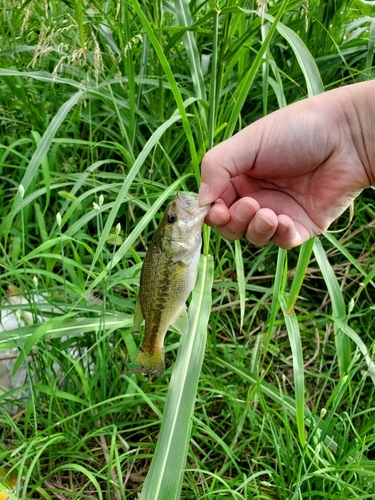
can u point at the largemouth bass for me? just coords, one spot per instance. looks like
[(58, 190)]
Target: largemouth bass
[(168, 276)]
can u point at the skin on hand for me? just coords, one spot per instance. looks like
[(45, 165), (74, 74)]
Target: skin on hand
[(286, 177)]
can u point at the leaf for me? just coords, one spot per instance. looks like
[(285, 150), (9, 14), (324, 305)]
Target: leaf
[(38, 156), (303, 262), (128, 181), (56, 393), (250, 75), (164, 479), (349, 256), (184, 19), (294, 336), (79, 18), (311, 420), (342, 341), (26, 337), (240, 278), (304, 57), (171, 79)]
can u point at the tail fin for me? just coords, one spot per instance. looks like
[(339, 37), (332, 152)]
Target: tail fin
[(150, 364)]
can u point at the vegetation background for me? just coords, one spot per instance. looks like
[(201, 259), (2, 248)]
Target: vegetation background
[(106, 109)]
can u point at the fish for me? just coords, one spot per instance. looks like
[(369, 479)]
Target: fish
[(168, 276)]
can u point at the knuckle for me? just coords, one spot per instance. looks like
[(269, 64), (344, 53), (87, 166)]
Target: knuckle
[(209, 159)]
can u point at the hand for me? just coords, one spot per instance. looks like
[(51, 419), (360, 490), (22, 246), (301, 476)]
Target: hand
[(286, 177)]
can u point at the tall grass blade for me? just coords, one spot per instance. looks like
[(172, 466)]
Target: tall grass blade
[(79, 14), (370, 48), (345, 328), (276, 395), (124, 248), (164, 479), (303, 262), (128, 181), (42, 76), (171, 79), (294, 335), (349, 256), (251, 74), (214, 84), (38, 156), (66, 327), (342, 340), (305, 59), (240, 278), (281, 270), (184, 19)]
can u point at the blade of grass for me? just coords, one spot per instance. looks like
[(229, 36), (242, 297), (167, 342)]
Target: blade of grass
[(250, 75), (370, 48), (342, 340), (276, 395), (164, 479), (303, 262), (304, 57), (294, 335), (121, 252), (348, 255), (67, 327), (79, 14), (171, 79), (45, 170), (38, 156), (214, 84), (346, 330), (281, 271), (184, 19), (128, 181), (240, 278)]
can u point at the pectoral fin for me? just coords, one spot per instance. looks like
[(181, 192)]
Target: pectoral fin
[(181, 323), (138, 316)]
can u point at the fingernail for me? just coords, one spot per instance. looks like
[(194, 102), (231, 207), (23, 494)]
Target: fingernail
[(242, 212), (262, 224), (204, 195), (282, 228)]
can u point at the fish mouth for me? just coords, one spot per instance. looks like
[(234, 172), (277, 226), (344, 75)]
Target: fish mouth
[(189, 204)]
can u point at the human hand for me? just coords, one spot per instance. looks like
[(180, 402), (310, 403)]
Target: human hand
[(286, 177)]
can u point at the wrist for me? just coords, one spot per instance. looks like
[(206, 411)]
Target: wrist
[(360, 116)]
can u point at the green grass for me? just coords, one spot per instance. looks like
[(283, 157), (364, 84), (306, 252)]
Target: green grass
[(106, 109)]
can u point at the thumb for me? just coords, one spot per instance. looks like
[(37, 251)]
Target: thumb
[(227, 160)]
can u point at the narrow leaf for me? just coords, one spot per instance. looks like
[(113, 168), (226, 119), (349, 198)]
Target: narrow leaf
[(294, 335), (164, 480), (128, 181), (170, 77), (184, 19), (249, 78), (305, 59), (37, 158), (240, 278), (303, 262), (342, 340)]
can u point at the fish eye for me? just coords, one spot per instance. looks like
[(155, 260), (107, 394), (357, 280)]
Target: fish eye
[(172, 218)]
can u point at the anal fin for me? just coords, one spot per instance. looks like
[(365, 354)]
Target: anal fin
[(181, 323)]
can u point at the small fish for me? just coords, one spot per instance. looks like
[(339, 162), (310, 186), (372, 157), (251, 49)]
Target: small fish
[(168, 276)]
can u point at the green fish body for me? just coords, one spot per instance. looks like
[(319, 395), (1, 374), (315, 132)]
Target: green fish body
[(168, 276)]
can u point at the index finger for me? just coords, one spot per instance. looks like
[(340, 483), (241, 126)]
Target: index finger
[(225, 161)]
